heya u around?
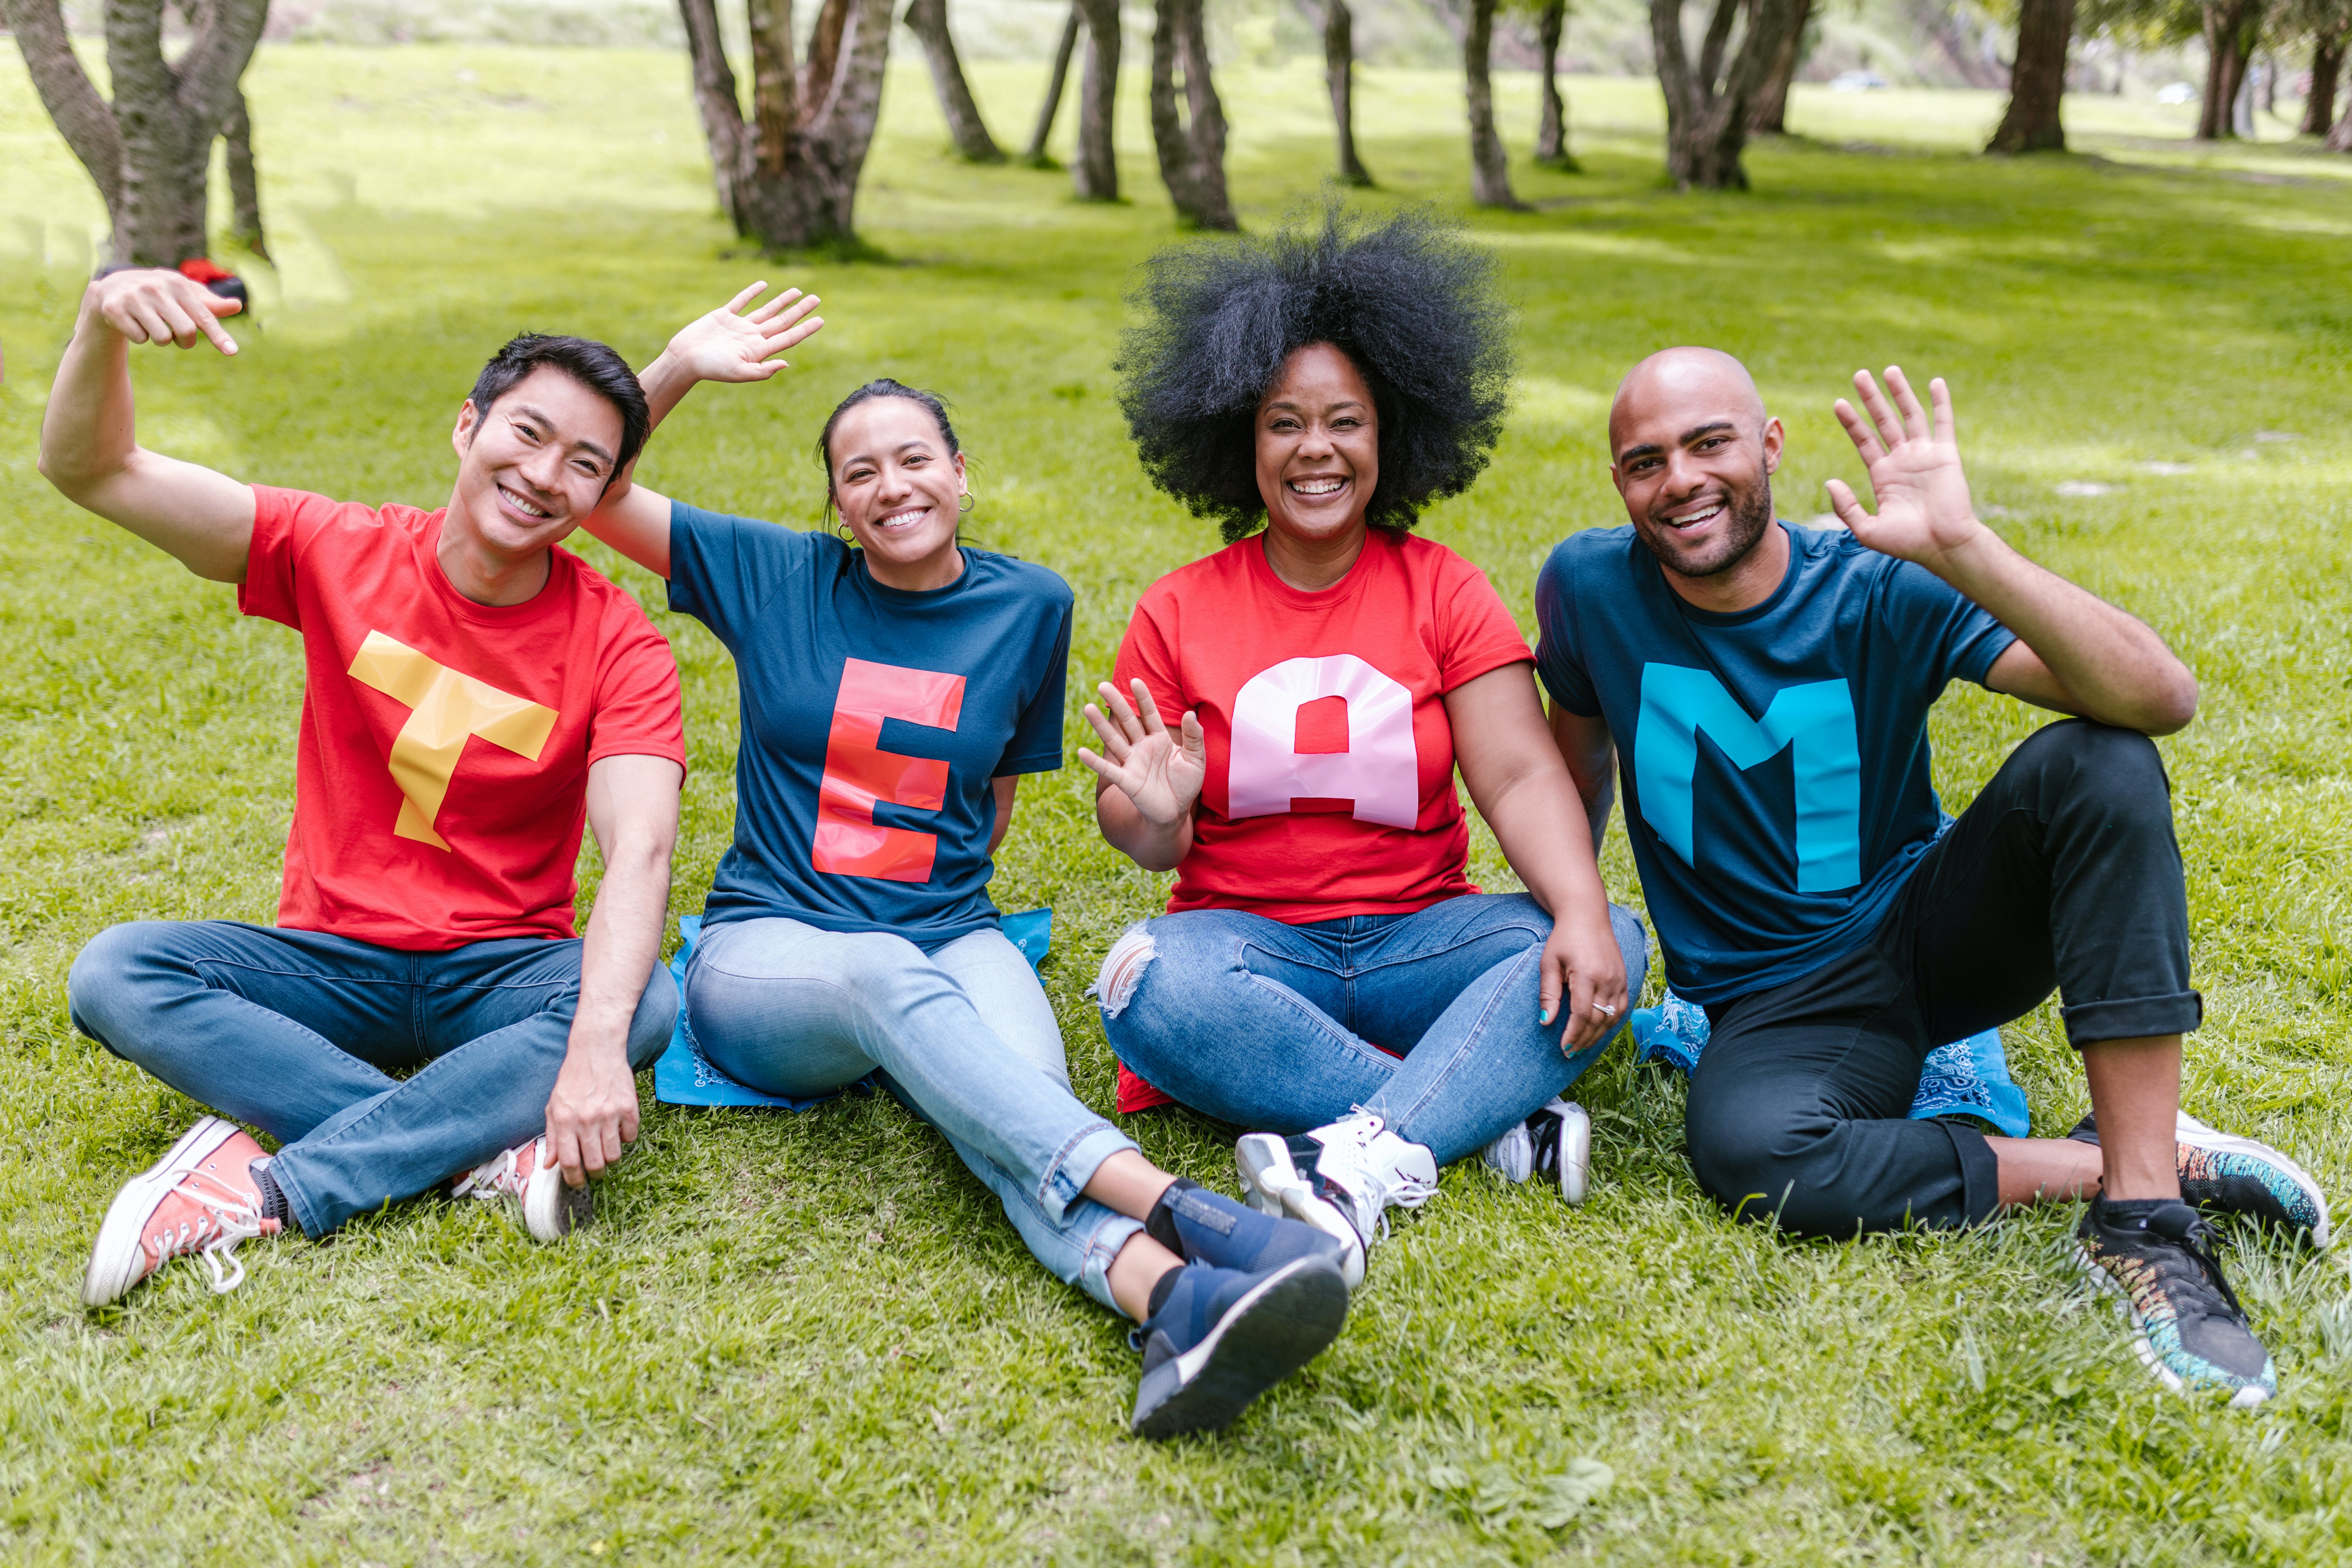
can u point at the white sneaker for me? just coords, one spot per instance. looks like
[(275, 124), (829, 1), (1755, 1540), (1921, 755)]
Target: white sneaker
[(1361, 1169), (199, 1200), (1513, 1155), (550, 1211), (1555, 1143)]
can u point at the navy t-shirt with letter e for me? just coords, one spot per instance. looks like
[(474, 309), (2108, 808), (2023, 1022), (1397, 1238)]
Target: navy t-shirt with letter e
[(1774, 761), (874, 721)]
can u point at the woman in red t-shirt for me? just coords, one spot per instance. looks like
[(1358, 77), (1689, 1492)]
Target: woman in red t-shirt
[(1326, 968)]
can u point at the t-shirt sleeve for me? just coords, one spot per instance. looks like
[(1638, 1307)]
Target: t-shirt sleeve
[(1560, 653), (1942, 630), (1478, 635), (638, 712), (723, 569), (1146, 654), (284, 523), (1036, 743)]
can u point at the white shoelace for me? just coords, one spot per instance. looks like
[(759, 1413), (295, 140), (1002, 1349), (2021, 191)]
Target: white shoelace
[(213, 1235)]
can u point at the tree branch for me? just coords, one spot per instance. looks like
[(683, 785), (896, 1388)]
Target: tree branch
[(82, 117), (208, 74)]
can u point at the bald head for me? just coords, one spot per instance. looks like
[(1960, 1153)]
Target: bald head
[(1692, 451), (1685, 384)]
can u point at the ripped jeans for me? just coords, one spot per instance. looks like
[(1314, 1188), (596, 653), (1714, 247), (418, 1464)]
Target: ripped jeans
[(964, 1038), (1282, 1027)]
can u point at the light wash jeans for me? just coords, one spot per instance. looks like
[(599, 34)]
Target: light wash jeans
[(1272, 1026), (298, 1033), (963, 1035)]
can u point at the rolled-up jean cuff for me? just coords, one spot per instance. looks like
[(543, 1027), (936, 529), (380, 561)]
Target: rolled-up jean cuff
[(1064, 1181), (2133, 1018), (1979, 1172), (1101, 1247)]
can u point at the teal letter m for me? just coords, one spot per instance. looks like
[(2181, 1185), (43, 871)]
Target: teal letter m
[(1816, 720)]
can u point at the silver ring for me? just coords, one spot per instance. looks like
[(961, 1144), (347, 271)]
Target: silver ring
[(1605, 1007)]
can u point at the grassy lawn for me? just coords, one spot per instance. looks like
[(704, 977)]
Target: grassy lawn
[(812, 1338)]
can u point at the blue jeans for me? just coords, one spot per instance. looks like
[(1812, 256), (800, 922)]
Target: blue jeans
[(298, 1032), (1274, 1026), (962, 1035)]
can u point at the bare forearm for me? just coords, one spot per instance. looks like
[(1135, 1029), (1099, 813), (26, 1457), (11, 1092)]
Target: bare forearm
[(665, 382), (90, 431), (622, 942), (1540, 821), (1152, 846)]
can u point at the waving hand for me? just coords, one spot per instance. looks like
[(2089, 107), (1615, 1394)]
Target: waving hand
[(1914, 463), (733, 344), (1158, 772)]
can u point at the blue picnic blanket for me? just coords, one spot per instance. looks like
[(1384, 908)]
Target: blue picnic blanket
[(684, 1076), (1966, 1077)]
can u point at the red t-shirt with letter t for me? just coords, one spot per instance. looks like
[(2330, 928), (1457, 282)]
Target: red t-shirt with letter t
[(441, 779), (1330, 757)]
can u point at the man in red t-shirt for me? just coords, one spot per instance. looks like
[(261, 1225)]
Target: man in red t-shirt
[(474, 696)]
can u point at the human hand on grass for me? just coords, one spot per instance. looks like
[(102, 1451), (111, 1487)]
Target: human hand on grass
[(1582, 967), (1914, 463), (156, 305), (1161, 772), (731, 343), (591, 1117)]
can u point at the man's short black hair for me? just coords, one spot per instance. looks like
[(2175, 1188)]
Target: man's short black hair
[(592, 364), (1407, 297)]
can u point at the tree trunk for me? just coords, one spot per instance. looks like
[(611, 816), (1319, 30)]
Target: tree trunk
[(928, 20), (1340, 76), (244, 185), (2340, 139), (1095, 174), (1191, 145), (1551, 119), (788, 176), (150, 149), (1707, 115), (2326, 69), (2045, 28), (2231, 29), (1490, 171), (1037, 157), (1771, 113)]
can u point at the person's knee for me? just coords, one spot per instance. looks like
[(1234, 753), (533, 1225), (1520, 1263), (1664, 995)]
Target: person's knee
[(655, 1019), (1123, 968), (2116, 774), (1632, 945), (103, 975), (1763, 1161)]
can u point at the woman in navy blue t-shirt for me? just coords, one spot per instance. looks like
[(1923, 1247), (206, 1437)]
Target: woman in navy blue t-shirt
[(896, 684)]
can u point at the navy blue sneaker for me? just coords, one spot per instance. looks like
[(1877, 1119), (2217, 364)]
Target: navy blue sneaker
[(1219, 1338), (1203, 1227)]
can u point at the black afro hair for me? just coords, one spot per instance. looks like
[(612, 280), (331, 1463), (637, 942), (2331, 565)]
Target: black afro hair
[(1407, 297)]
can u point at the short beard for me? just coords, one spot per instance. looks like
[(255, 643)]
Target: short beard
[(1750, 509)]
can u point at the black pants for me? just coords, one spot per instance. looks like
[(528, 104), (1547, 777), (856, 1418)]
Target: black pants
[(2064, 872)]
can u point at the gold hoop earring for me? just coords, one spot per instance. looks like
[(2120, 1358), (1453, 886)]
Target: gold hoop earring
[(841, 529), (964, 501)]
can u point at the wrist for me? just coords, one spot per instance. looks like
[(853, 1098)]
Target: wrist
[(1966, 554)]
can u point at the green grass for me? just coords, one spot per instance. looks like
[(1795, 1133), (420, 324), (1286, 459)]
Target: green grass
[(811, 1338)]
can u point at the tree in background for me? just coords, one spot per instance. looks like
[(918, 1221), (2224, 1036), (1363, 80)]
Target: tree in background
[(928, 20), (788, 175), (1190, 143), (1036, 157), (2326, 28), (1340, 79), (2233, 30), (2046, 32), (149, 148), (1770, 114), (1708, 107), (1490, 169), (1552, 117), (1095, 174)]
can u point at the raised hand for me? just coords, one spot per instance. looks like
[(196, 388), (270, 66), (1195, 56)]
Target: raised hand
[(733, 344), (1913, 464), (156, 305), (1159, 772)]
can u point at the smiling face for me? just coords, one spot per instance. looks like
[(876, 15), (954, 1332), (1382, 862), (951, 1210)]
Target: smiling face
[(1693, 454), (1318, 448), (534, 463), (896, 485)]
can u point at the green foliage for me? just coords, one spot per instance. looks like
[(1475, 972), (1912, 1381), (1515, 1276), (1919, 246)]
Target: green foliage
[(812, 1338)]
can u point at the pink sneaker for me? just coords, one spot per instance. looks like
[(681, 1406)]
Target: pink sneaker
[(199, 1199), (550, 1211)]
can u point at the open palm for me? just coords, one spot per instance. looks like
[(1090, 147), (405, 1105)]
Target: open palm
[(1159, 770), (1913, 464), (733, 344)]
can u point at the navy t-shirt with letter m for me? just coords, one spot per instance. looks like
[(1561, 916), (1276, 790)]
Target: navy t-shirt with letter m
[(874, 721), (1774, 761)]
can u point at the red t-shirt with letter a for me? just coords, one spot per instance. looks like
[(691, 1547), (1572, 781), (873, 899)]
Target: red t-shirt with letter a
[(441, 778), (1330, 758)]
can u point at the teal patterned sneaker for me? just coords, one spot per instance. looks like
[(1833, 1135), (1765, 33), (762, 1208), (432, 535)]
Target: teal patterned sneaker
[(2223, 1174), (2190, 1330)]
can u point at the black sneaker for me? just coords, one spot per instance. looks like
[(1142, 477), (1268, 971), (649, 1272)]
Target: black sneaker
[(2221, 1173), (1203, 1227), (1220, 1337), (2190, 1331)]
